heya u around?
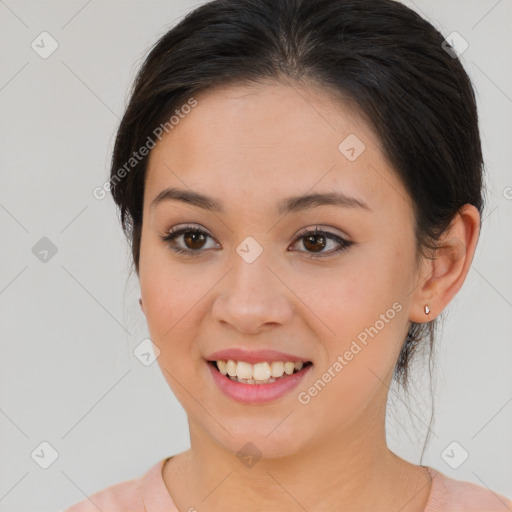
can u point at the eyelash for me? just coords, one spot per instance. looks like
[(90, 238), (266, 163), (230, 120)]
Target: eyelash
[(176, 232)]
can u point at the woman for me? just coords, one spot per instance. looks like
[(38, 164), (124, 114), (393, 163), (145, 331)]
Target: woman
[(301, 185)]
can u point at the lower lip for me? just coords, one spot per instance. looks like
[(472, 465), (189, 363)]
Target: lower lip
[(257, 393)]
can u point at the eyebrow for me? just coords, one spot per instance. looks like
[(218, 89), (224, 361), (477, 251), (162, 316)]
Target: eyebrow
[(288, 205)]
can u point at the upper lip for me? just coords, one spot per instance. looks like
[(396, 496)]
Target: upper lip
[(253, 356)]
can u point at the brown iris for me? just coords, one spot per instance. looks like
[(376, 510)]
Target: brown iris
[(311, 242), (194, 238)]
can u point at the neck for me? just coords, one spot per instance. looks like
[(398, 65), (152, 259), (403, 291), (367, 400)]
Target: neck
[(352, 469)]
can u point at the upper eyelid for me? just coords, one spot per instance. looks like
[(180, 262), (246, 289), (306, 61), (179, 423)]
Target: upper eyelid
[(301, 232), (177, 231)]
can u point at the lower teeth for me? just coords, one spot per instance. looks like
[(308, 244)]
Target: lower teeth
[(252, 381)]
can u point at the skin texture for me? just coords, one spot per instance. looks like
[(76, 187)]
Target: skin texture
[(250, 146)]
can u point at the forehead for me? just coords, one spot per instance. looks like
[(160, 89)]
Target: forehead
[(270, 140)]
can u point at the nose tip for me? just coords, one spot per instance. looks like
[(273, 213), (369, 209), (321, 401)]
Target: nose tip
[(249, 301), (256, 328)]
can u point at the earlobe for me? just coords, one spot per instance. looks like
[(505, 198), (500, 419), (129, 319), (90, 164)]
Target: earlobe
[(449, 266)]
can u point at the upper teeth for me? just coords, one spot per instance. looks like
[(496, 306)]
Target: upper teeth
[(258, 371)]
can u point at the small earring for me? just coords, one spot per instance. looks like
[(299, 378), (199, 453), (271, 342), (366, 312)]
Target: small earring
[(140, 302), (427, 309)]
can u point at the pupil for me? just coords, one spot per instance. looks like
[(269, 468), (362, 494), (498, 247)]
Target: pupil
[(192, 235), (312, 238)]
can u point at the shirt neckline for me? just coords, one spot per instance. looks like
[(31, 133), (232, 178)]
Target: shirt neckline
[(432, 495), (156, 497)]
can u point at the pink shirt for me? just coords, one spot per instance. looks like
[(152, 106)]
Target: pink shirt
[(149, 494)]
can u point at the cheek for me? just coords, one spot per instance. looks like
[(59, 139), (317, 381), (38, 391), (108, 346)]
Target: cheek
[(360, 316), (347, 299), (172, 304), (167, 288), (168, 292), (360, 353)]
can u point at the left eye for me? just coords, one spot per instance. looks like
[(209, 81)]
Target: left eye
[(317, 239), (313, 240)]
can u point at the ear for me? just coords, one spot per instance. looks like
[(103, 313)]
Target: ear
[(442, 276)]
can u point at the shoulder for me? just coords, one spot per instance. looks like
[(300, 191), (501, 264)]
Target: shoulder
[(451, 495), (121, 496), (137, 494)]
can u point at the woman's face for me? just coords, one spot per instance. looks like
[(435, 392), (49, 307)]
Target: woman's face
[(253, 281)]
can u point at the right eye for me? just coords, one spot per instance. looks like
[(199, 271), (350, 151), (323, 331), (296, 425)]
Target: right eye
[(192, 236)]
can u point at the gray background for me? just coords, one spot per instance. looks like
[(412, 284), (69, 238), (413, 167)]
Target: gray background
[(69, 325)]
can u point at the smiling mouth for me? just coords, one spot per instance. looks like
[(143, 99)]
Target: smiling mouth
[(259, 373)]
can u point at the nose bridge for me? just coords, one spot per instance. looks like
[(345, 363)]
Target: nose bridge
[(250, 273), (253, 266), (252, 295)]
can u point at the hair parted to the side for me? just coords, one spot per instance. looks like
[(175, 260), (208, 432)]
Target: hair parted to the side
[(379, 56)]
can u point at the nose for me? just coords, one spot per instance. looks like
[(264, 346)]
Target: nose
[(252, 297)]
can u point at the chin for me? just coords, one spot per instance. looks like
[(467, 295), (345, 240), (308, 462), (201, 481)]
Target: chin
[(259, 440)]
